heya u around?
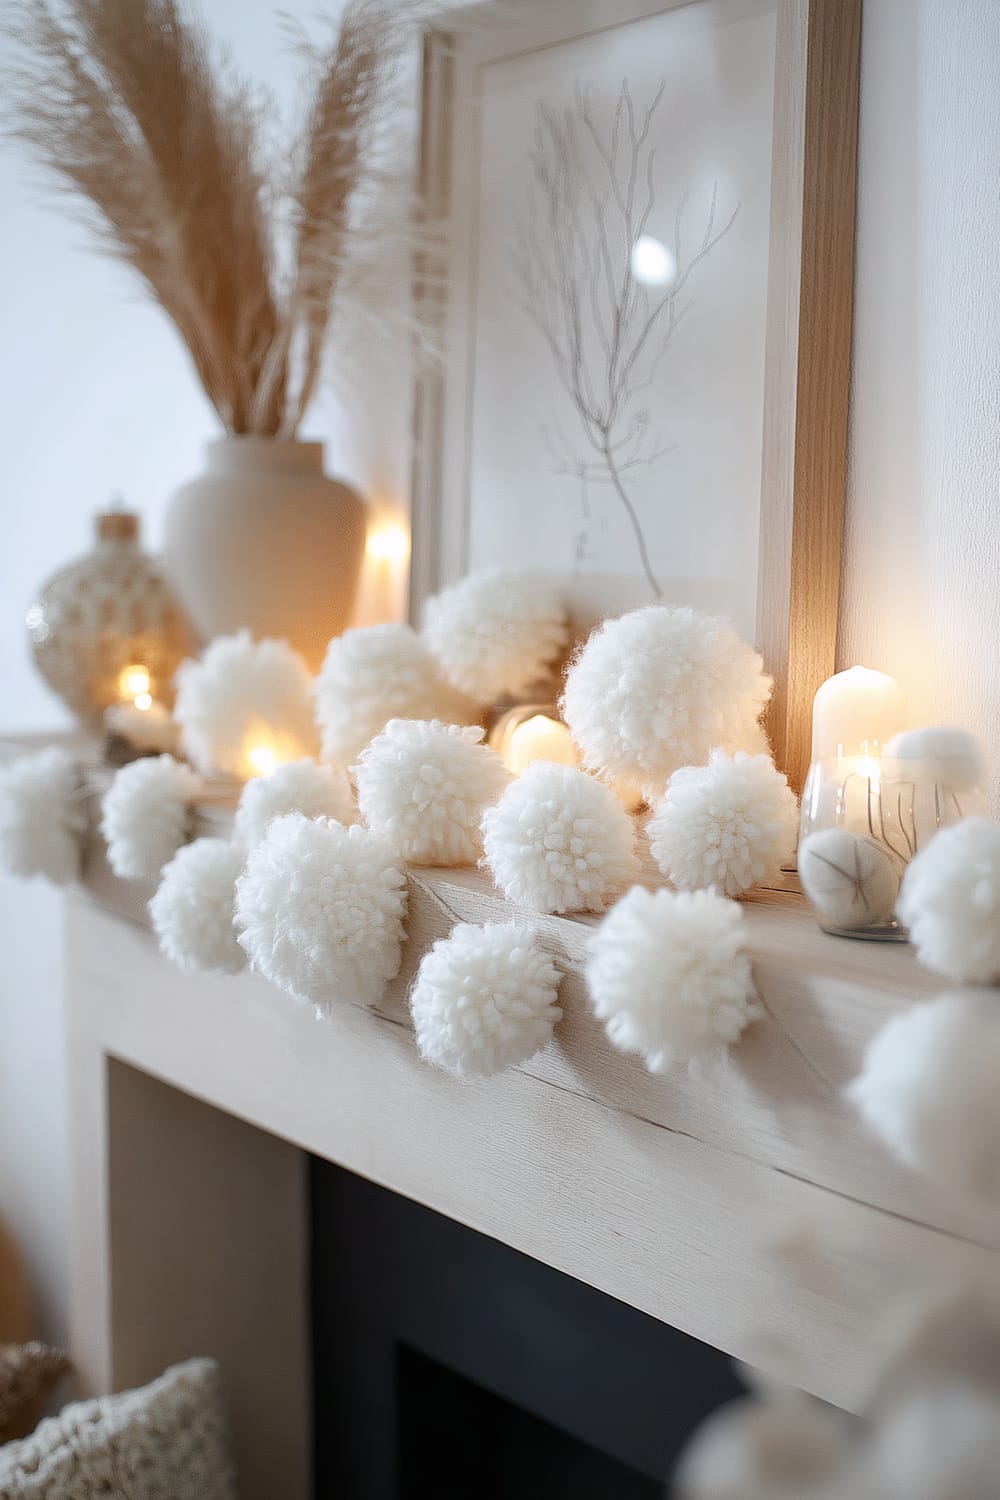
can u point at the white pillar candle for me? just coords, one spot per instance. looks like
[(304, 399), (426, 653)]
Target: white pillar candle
[(856, 713), (145, 724)]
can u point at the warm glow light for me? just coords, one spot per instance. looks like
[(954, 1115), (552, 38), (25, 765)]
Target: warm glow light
[(133, 682), (538, 738), (144, 701), (262, 759), (855, 713), (389, 542), (653, 263)]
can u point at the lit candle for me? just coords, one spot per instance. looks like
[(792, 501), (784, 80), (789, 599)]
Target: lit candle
[(139, 719), (538, 738), (264, 749), (385, 575), (855, 714)]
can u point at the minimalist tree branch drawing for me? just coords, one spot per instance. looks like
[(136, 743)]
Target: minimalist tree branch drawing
[(590, 200)]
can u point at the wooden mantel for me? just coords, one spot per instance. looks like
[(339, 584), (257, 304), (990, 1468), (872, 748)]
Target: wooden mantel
[(748, 1206)]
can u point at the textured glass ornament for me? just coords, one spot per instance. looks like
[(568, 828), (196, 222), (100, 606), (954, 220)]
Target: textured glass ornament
[(100, 620)]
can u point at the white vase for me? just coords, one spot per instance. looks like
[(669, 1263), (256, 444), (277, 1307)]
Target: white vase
[(264, 540)]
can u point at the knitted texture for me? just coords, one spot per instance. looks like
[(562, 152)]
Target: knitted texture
[(192, 910), (496, 633), (300, 786), (147, 815)]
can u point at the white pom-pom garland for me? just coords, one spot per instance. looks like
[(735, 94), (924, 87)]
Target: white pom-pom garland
[(319, 911), (497, 633), (668, 976), (928, 1089), (241, 690), (374, 674), (147, 814), (484, 999), (192, 910), (730, 824), (423, 789), (950, 901), (660, 688), (42, 815), (559, 841), (300, 786)]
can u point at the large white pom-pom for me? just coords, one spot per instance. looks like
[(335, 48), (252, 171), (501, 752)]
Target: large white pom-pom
[(949, 756), (484, 999), (423, 788), (659, 689), (42, 815), (762, 1450), (319, 911), (300, 786), (497, 633), (928, 1087), (849, 878), (950, 901), (378, 673), (559, 841), (192, 910), (730, 824), (668, 976), (239, 690), (147, 814)]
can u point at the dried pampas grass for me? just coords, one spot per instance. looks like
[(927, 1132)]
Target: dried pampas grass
[(123, 105)]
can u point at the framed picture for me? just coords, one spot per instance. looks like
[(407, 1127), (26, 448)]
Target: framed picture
[(645, 312)]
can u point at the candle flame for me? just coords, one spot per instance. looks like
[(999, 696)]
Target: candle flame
[(262, 759), (388, 543), (143, 701), (133, 682)]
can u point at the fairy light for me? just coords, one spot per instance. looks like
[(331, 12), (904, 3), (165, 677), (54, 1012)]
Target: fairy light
[(653, 263)]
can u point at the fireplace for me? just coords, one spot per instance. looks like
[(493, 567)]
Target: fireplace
[(447, 1364)]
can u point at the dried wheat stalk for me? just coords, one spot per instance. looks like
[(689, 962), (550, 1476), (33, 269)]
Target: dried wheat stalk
[(121, 103)]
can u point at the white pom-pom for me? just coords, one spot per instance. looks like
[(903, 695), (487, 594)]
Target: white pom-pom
[(378, 673), (241, 689), (947, 756), (147, 815), (940, 1442), (42, 815), (730, 824), (300, 786), (423, 788), (659, 689), (850, 879), (496, 633), (950, 901), (319, 911), (928, 1089), (559, 841), (192, 910), (668, 976), (756, 1450), (484, 999)]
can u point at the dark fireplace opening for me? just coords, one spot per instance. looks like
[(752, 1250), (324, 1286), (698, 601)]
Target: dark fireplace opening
[(447, 1364)]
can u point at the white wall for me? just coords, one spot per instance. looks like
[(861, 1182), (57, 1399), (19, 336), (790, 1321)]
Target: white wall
[(97, 395)]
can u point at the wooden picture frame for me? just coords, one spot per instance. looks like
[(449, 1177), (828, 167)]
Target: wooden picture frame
[(807, 345)]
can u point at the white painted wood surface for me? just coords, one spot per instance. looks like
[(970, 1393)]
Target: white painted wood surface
[(748, 1207)]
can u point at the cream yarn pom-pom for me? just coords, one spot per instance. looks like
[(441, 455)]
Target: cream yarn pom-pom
[(319, 911), (238, 689), (668, 976), (730, 824), (928, 1089), (147, 815), (192, 910), (497, 633), (559, 841), (660, 688), (374, 674), (300, 786), (423, 788), (484, 999), (42, 815), (950, 901)]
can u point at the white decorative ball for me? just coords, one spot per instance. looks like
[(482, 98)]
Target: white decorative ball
[(192, 910), (241, 689), (484, 999), (668, 976), (660, 688), (42, 815), (850, 879), (729, 825), (559, 841), (319, 911), (423, 788), (147, 814), (940, 1442), (300, 786), (761, 1450), (378, 673), (948, 756), (950, 901), (497, 633), (928, 1088)]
